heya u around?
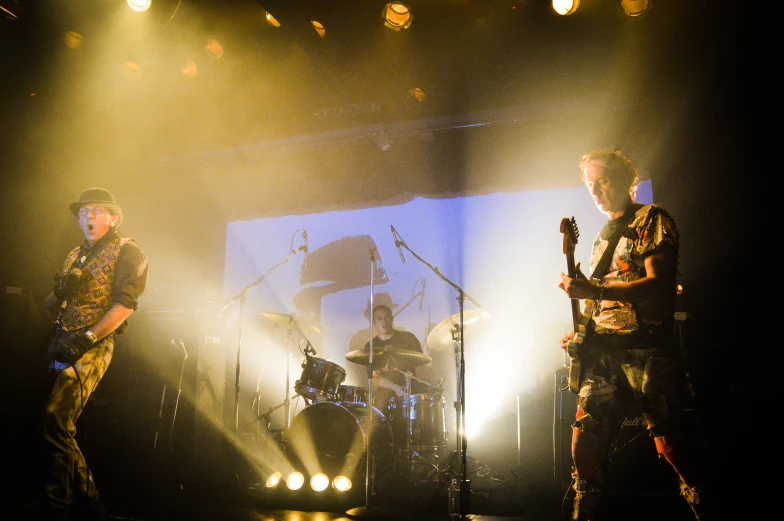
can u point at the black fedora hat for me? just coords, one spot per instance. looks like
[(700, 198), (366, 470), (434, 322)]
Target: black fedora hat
[(101, 197), (380, 300)]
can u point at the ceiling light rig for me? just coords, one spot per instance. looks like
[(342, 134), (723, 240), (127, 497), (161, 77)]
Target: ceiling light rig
[(397, 16)]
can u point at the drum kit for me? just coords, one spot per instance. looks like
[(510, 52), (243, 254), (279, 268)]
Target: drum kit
[(406, 431)]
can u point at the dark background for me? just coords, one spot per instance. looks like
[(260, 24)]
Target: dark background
[(287, 122)]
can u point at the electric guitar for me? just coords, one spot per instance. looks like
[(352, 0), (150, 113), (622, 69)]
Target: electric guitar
[(579, 320)]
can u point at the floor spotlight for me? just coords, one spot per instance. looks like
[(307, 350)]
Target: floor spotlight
[(295, 480), (341, 483), (139, 5), (319, 482), (273, 480), (397, 16), (565, 7)]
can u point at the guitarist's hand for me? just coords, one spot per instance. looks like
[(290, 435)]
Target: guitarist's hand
[(578, 287), (566, 339), (70, 352)]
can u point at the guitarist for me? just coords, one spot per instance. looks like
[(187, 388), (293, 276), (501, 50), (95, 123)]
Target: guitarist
[(97, 289), (629, 351)]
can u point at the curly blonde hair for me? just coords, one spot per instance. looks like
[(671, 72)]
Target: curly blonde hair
[(617, 164)]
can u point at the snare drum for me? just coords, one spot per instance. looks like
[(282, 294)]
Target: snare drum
[(352, 394), (320, 379)]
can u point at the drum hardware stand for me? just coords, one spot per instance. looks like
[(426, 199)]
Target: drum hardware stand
[(457, 335), (242, 299), (367, 510)]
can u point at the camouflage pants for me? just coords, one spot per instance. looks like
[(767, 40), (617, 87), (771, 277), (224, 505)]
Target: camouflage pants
[(68, 477)]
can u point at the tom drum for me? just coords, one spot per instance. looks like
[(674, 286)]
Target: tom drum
[(320, 379)]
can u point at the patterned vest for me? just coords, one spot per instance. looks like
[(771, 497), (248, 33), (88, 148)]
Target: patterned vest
[(92, 295)]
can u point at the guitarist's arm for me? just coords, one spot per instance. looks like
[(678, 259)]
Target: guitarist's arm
[(111, 320), (658, 283)]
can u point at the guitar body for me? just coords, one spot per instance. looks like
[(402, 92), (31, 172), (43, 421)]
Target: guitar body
[(576, 348)]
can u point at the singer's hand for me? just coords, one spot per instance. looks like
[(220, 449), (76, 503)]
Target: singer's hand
[(70, 352)]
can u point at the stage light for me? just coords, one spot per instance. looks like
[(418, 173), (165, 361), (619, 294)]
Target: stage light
[(397, 16), (565, 7), (273, 480), (139, 5), (73, 39), (634, 8), (417, 94), (214, 48), (189, 69), (319, 482), (295, 480), (319, 28), (271, 19), (341, 483), (131, 70)]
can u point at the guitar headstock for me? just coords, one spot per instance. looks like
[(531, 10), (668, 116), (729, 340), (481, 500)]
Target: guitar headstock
[(570, 232)]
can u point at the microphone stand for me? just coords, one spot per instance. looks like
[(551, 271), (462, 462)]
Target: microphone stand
[(367, 510), (241, 298), (457, 336)]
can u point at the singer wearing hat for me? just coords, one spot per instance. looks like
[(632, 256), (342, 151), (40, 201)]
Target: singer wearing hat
[(96, 290)]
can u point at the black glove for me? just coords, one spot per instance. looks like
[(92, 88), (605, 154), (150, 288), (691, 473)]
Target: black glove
[(70, 352)]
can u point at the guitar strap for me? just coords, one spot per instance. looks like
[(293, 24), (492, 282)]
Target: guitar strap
[(604, 262)]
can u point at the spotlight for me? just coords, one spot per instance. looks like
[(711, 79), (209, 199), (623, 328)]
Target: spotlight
[(319, 482), (634, 8), (271, 19), (189, 69), (565, 7), (295, 480), (273, 480), (319, 28), (397, 16), (341, 483), (417, 94), (73, 39), (214, 48), (139, 5)]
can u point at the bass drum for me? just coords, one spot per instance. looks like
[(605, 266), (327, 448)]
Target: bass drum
[(337, 435)]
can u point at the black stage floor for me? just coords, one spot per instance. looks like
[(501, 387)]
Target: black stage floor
[(493, 498)]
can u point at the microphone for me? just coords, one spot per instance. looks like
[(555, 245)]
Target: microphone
[(397, 243), (64, 285), (422, 294)]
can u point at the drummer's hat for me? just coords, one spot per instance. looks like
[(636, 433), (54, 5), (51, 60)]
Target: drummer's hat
[(380, 299)]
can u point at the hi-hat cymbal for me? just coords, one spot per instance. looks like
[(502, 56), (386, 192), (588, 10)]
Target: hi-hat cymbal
[(289, 322), (441, 337), (380, 354)]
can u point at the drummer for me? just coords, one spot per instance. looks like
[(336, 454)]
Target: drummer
[(393, 374)]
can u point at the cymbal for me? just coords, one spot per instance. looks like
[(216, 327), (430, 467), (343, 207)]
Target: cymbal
[(440, 337), (289, 321), (362, 356)]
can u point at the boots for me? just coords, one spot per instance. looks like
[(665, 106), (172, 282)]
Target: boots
[(586, 501)]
